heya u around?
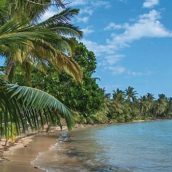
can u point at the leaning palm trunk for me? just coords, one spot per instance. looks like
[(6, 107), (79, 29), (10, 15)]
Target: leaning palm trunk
[(8, 69), (23, 108)]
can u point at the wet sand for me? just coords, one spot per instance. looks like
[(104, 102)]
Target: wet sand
[(26, 150), (19, 160)]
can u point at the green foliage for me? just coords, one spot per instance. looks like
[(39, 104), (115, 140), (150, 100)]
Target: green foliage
[(86, 98), (27, 43), (22, 107), (126, 106)]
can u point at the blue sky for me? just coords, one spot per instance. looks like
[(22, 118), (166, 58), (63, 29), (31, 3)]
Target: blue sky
[(132, 40)]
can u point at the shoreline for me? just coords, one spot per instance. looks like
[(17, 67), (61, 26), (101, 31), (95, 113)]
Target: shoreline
[(21, 154)]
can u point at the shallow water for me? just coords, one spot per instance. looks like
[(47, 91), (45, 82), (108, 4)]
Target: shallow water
[(138, 147)]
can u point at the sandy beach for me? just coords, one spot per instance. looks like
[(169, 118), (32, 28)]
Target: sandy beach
[(18, 158)]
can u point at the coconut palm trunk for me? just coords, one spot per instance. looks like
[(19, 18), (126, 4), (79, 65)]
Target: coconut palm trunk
[(8, 69)]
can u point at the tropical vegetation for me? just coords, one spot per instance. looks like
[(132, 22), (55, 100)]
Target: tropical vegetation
[(48, 75), (126, 106), (89, 103), (27, 42)]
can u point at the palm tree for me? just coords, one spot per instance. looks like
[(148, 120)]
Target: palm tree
[(131, 102), (21, 106), (161, 106), (119, 95), (169, 108), (150, 103), (147, 105), (55, 51), (118, 104), (130, 94), (150, 97)]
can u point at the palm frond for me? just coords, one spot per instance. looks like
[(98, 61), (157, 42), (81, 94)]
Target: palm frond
[(60, 23), (64, 16), (31, 9), (25, 106), (69, 66)]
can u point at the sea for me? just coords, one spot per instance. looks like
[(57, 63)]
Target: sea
[(132, 147)]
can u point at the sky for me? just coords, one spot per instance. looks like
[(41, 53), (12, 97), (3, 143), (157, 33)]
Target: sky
[(132, 41)]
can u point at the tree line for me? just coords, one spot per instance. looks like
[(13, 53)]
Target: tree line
[(90, 103), (125, 106)]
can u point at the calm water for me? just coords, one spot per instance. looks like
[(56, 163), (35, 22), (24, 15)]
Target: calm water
[(139, 147)]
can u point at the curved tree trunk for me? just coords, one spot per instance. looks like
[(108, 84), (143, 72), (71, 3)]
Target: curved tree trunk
[(8, 69)]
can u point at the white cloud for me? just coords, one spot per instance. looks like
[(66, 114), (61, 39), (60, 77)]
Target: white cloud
[(99, 49), (100, 3), (78, 2), (87, 11), (87, 30), (112, 59), (131, 73), (87, 8), (150, 3), (124, 1), (82, 19), (114, 26), (146, 26), (117, 69), (95, 3)]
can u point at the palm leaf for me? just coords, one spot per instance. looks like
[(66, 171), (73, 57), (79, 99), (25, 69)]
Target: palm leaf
[(31, 9), (60, 23), (22, 106)]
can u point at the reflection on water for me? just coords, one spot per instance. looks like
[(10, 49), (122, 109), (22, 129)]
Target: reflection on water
[(140, 147)]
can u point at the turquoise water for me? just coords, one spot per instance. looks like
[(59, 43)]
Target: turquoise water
[(138, 147)]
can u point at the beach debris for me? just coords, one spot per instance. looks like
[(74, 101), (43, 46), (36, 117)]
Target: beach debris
[(64, 137)]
